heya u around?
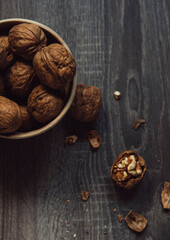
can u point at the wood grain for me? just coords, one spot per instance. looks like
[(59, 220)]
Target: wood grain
[(118, 45)]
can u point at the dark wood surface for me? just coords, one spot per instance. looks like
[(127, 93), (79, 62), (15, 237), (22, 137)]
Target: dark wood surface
[(118, 45)]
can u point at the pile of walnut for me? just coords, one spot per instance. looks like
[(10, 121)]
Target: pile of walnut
[(128, 169), (34, 77)]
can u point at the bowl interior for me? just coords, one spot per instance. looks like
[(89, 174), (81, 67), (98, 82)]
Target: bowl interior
[(53, 37)]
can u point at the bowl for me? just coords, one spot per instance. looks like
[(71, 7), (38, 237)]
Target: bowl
[(52, 37)]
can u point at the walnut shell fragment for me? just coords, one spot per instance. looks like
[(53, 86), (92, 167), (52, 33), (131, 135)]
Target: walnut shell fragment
[(43, 104), (10, 115), (94, 139), (19, 78), (55, 66), (85, 195), (6, 55), (28, 123), (71, 139), (26, 39), (138, 123), (86, 104), (128, 169), (135, 221), (165, 196)]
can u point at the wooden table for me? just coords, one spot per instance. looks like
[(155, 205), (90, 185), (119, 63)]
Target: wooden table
[(118, 45)]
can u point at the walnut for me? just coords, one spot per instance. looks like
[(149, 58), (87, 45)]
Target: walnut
[(128, 169), (55, 66), (135, 221), (94, 139), (6, 55), (165, 196), (2, 87), (43, 104), (10, 115), (26, 39), (19, 78), (86, 104), (28, 123)]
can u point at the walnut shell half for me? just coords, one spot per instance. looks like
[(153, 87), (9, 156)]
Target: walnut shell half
[(10, 115), (128, 169), (136, 221), (86, 104), (43, 105), (19, 78), (6, 55), (26, 39), (55, 66)]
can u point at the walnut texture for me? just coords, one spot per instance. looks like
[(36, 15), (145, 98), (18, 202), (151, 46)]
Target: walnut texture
[(128, 169), (19, 78), (28, 123), (6, 55), (2, 87), (165, 196), (135, 221), (10, 115), (86, 104), (55, 66), (43, 104), (26, 39)]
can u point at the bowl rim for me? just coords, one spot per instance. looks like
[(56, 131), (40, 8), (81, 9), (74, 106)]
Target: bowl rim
[(48, 126)]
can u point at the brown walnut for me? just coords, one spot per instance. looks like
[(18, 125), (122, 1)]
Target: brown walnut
[(43, 104), (26, 39), (128, 169), (19, 78), (6, 55), (2, 87), (28, 123), (10, 115), (55, 66), (136, 221), (86, 104)]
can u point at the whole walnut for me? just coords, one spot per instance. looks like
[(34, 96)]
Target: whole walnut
[(28, 123), (6, 55), (86, 104), (10, 115), (2, 87), (19, 78), (43, 104), (26, 39), (55, 66)]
